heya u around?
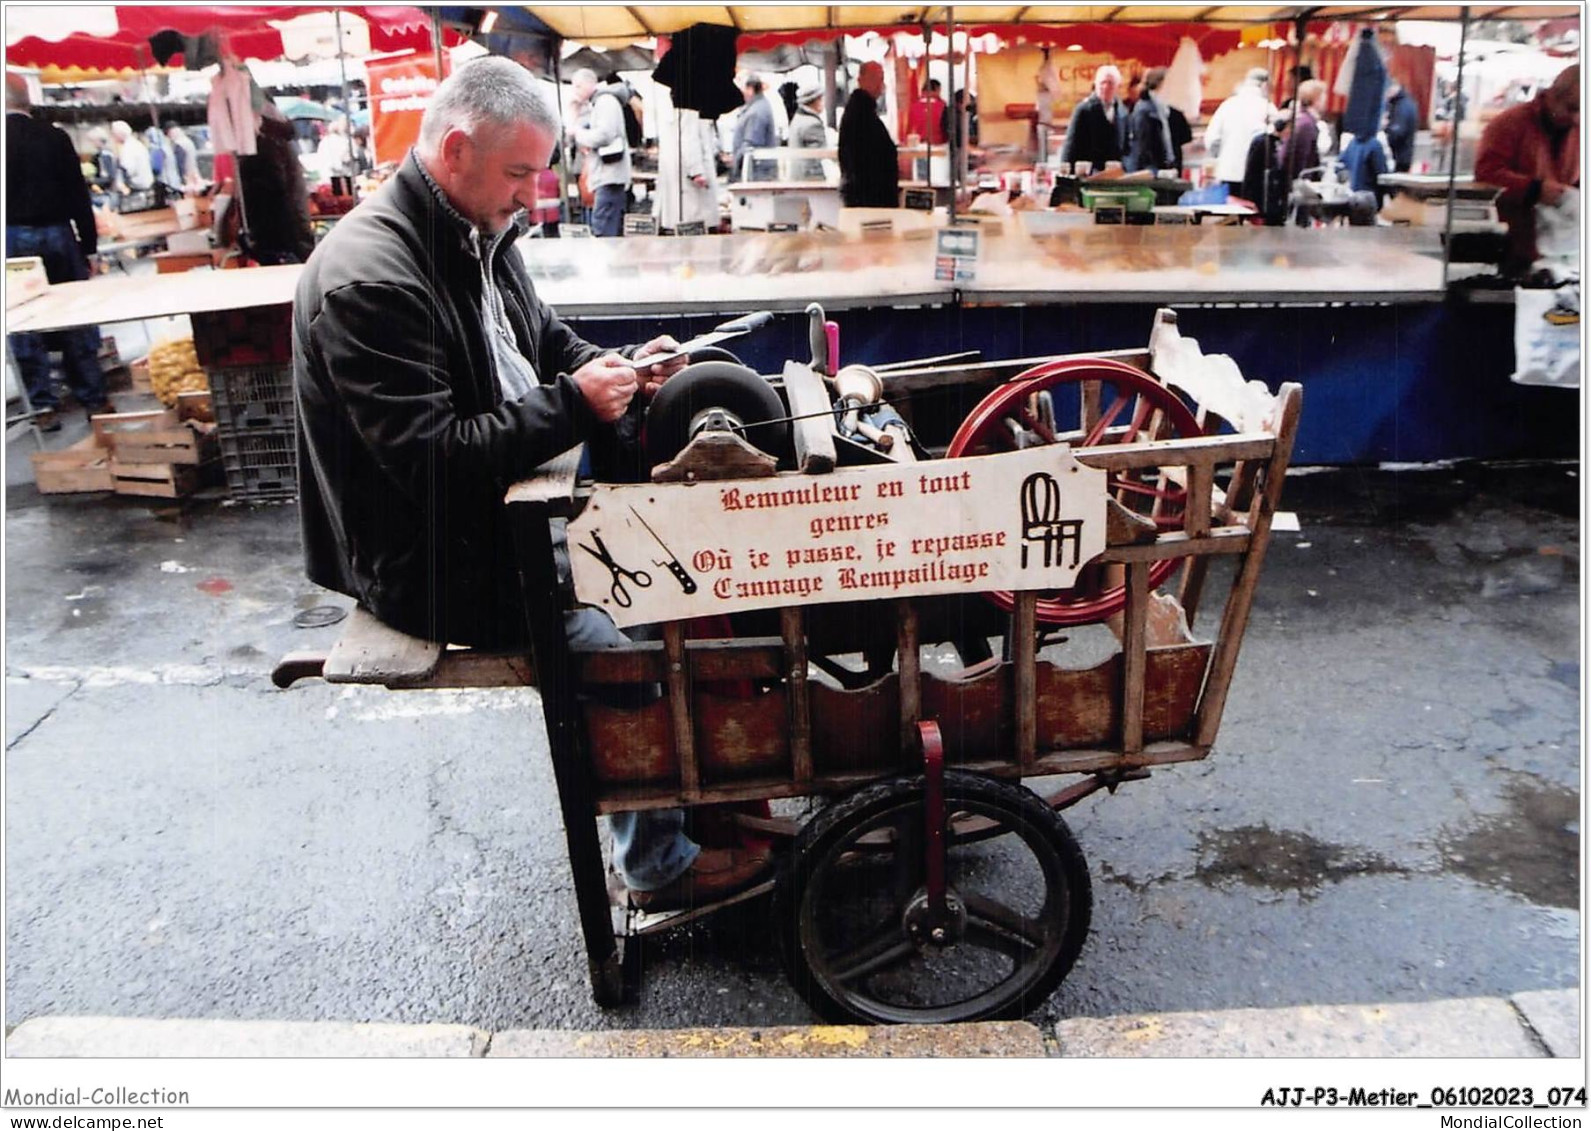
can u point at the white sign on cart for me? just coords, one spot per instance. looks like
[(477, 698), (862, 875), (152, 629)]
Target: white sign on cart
[(666, 551)]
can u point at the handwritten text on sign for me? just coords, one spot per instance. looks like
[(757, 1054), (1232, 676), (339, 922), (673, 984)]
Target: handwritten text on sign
[(1021, 520)]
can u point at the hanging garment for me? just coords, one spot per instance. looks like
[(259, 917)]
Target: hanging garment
[(700, 69), (1343, 85), (1183, 87), (1368, 88), (685, 150), (232, 118)]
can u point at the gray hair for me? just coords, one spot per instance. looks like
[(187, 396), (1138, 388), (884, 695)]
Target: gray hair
[(489, 91), (121, 130), (584, 74)]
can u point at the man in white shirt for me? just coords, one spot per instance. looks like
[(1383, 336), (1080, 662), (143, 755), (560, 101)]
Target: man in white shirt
[(1235, 124), (137, 175)]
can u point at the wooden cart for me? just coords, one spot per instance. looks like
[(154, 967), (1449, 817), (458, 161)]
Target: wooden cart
[(932, 886)]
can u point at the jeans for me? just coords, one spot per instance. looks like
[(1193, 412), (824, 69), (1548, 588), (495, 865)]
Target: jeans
[(650, 848), (607, 211), (63, 263)]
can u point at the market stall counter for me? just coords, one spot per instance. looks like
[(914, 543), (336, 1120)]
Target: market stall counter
[(1395, 372)]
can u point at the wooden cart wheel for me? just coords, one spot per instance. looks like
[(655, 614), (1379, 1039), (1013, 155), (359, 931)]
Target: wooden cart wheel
[(850, 897), (1133, 407)]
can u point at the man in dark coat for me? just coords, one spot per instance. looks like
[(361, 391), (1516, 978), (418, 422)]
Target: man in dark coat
[(1100, 130), (869, 171), (429, 376), (48, 214), (754, 130), (1403, 122), (1153, 147)]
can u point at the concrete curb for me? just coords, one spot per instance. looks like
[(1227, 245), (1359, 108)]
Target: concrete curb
[(1540, 1023)]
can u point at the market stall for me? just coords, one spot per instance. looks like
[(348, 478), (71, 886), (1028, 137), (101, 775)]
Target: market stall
[(1405, 369)]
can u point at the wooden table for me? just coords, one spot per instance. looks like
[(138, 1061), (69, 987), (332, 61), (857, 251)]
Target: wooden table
[(108, 299)]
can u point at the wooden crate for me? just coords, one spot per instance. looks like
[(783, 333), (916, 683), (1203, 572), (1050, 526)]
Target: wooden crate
[(140, 376), (83, 467), (161, 480), (158, 437)]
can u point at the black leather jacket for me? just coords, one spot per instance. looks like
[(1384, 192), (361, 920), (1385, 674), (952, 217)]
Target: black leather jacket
[(405, 444)]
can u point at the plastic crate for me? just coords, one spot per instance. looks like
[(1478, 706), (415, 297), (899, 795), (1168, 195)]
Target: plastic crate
[(256, 335), (260, 464), (250, 397)]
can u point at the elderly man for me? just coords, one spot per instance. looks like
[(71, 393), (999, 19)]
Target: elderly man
[(807, 130), (869, 169), (47, 199), (132, 155), (754, 130), (1532, 152), (429, 376), (602, 137), (1101, 130)]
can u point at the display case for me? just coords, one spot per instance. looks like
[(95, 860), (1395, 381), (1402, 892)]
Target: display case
[(1053, 264)]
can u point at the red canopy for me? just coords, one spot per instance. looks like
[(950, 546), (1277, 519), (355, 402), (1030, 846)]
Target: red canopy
[(245, 28)]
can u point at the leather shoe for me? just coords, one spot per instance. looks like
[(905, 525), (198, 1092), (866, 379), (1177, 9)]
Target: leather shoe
[(715, 873), (47, 420)]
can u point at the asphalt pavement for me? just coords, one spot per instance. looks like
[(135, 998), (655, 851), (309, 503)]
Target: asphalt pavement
[(1391, 814)]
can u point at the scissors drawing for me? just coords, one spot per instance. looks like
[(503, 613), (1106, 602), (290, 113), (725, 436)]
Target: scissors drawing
[(621, 595)]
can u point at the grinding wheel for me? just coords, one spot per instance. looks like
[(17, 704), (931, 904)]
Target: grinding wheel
[(740, 392)]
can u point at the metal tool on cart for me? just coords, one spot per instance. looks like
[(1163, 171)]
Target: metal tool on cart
[(1082, 497)]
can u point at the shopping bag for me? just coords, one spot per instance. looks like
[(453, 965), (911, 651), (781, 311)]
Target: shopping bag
[(1547, 336)]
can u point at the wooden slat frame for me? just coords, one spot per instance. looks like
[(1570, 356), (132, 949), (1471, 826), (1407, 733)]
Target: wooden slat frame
[(1234, 619), (679, 710), (793, 627), (1134, 657), (1085, 761), (909, 652), (1024, 651)]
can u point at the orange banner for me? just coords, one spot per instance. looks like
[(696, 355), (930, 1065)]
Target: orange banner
[(400, 90)]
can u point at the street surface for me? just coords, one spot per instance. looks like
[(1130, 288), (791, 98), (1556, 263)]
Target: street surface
[(1391, 812)]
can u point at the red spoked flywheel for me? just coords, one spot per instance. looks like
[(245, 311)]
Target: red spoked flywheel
[(1133, 407)]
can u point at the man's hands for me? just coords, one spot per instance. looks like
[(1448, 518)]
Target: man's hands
[(1551, 192), (608, 383), (657, 374)]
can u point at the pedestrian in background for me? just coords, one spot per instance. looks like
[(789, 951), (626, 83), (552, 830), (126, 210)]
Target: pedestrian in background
[(869, 161), (1235, 124), (807, 131), (1403, 122), (754, 130), (601, 135), (1101, 128), (134, 171), (49, 214)]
